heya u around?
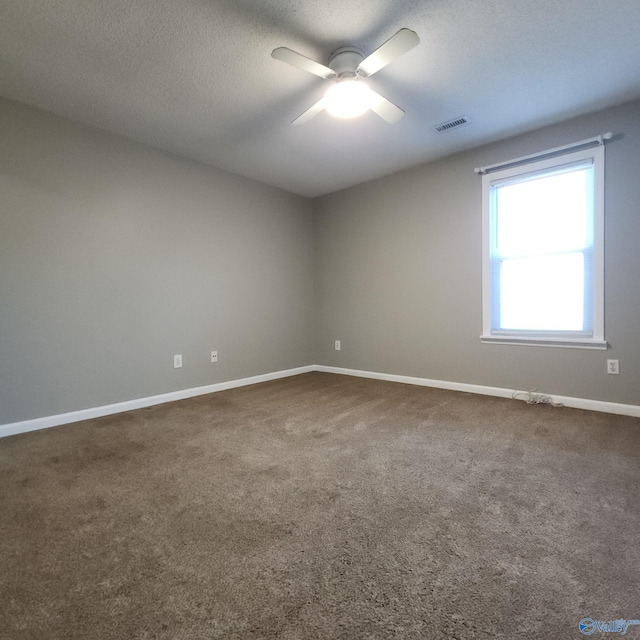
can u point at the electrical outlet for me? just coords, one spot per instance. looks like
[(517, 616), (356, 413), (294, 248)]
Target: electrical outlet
[(338, 345), (177, 361), (613, 366), (214, 356)]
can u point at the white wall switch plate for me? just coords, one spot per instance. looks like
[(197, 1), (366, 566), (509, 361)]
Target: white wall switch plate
[(338, 347), (177, 361)]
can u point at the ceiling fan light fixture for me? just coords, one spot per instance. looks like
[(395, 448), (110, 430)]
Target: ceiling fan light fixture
[(348, 98)]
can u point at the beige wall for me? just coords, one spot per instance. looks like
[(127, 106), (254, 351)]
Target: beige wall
[(115, 256), (398, 273)]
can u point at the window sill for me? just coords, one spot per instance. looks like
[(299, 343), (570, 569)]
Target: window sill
[(566, 343)]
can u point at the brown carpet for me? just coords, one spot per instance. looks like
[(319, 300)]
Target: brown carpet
[(322, 507)]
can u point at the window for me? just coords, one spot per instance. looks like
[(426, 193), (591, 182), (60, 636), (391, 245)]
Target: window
[(543, 251)]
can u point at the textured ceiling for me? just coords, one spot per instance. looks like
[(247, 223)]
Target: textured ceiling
[(196, 77)]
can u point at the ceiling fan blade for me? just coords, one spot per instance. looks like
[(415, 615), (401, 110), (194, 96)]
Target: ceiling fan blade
[(311, 112), (393, 48), (302, 62), (384, 108)]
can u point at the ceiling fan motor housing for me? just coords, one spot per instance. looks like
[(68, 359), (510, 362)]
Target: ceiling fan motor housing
[(345, 60)]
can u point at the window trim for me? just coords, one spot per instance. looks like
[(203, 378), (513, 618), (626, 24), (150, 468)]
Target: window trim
[(595, 154)]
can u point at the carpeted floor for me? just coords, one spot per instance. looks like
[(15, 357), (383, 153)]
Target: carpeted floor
[(322, 506)]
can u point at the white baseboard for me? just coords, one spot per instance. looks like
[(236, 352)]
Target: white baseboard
[(24, 426), (576, 403), (15, 428)]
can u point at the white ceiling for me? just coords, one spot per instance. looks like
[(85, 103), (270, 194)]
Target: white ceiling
[(195, 77)]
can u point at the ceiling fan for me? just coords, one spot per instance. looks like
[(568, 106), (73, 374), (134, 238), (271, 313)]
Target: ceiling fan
[(349, 96)]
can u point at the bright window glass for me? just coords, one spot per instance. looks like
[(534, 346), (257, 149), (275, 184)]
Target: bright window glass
[(559, 307)]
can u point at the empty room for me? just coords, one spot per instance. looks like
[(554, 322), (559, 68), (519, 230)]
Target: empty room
[(319, 320)]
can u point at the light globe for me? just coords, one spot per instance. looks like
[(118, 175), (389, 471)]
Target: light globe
[(347, 99)]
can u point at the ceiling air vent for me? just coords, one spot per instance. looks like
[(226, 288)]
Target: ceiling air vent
[(452, 124)]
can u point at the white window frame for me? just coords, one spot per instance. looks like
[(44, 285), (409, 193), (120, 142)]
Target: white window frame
[(587, 340)]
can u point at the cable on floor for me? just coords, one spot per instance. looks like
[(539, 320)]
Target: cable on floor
[(531, 397)]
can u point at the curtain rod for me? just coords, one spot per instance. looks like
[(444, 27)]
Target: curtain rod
[(597, 140)]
